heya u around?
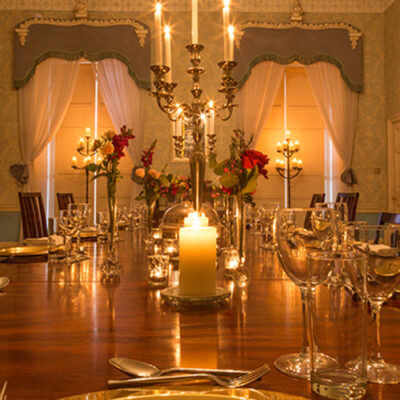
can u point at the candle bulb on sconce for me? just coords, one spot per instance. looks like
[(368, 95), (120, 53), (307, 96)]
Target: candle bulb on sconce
[(87, 134), (74, 161)]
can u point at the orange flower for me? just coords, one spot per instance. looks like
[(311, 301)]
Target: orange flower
[(107, 149)]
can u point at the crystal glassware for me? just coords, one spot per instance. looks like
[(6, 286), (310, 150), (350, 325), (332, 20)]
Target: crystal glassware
[(69, 224), (338, 324), (295, 238), (82, 211), (381, 245)]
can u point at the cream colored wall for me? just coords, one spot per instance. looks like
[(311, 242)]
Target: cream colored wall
[(370, 145)]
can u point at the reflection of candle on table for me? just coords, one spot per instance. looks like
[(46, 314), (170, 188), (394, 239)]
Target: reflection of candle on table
[(197, 256)]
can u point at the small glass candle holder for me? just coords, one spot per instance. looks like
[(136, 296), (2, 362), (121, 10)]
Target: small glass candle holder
[(158, 270), (231, 260), (170, 247), (156, 233)]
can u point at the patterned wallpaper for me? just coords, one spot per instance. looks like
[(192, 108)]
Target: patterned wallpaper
[(370, 147), (345, 6), (392, 60)]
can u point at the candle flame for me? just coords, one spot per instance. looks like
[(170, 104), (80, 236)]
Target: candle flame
[(231, 30), (227, 3), (167, 30), (158, 7)]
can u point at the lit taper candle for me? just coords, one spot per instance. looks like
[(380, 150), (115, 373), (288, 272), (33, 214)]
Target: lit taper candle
[(167, 41), (157, 22), (225, 25), (195, 22)]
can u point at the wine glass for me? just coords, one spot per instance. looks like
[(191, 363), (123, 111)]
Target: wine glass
[(293, 242), (82, 211), (380, 243), (103, 221), (68, 223)]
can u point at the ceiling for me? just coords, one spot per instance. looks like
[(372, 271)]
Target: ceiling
[(342, 6)]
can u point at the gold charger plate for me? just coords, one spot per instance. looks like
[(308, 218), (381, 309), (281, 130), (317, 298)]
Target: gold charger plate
[(25, 251), (172, 394)]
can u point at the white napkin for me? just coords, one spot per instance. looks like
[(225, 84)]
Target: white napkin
[(44, 241), (379, 249)]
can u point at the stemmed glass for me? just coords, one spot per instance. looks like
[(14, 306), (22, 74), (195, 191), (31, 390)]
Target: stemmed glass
[(295, 238), (82, 211), (68, 223), (380, 243)]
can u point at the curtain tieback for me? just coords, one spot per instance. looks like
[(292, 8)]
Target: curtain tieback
[(348, 177), (20, 172)]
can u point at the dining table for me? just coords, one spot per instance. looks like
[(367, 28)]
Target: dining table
[(60, 324)]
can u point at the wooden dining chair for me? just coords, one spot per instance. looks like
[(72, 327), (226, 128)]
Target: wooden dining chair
[(388, 218), (63, 199), (351, 199), (316, 198), (32, 214)]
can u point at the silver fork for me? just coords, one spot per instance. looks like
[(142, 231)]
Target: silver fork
[(236, 382)]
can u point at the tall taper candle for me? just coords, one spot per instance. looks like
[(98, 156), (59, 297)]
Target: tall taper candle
[(231, 31), (225, 24), (157, 22), (167, 42), (195, 22)]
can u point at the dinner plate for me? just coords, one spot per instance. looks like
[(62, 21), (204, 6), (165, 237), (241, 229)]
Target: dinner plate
[(25, 251), (171, 394)]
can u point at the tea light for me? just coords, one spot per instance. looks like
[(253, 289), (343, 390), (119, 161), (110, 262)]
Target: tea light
[(157, 234), (197, 257), (158, 270), (231, 260)]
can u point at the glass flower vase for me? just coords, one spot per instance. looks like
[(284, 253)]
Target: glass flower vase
[(240, 228), (111, 266)]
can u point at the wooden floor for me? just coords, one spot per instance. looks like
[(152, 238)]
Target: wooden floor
[(60, 325)]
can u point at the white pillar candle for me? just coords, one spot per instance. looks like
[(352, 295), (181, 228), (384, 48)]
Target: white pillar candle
[(195, 20), (231, 32), (167, 42), (197, 257), (197, 243), (225, 24), (157, 22)]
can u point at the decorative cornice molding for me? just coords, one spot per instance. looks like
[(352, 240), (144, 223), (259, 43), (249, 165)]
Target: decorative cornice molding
[(318, 6)]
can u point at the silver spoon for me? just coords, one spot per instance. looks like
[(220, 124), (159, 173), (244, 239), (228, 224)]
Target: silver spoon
[(4, 281), (142, 369)]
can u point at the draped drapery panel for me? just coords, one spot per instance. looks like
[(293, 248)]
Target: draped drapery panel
[(338, 106), (124, 101), (43, 103), (256, 98)]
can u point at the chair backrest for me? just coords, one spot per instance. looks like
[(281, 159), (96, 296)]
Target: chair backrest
[(317, 198), (388, 218), (32, 214), (63, 199), (351, 199)]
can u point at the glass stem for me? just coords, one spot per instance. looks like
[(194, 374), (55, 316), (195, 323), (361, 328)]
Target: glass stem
[(305, 306), (376, 355)]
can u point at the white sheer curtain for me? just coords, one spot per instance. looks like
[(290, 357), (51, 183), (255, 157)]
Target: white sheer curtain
[(256, 97), (43, 103), (124, 101), (338, 106)]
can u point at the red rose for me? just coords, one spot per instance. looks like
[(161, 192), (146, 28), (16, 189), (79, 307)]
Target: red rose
[(253, 158)]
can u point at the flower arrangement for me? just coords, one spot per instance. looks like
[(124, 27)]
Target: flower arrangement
[(112, 147), (238, 173)]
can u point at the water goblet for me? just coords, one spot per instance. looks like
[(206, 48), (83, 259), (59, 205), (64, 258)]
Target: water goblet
[(380, 244), (293, 242), (68, 224), (82, 211)]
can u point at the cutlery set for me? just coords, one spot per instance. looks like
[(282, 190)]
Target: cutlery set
[(147, 374)]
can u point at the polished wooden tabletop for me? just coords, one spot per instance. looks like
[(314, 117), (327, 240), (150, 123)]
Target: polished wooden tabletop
[(59, 326)]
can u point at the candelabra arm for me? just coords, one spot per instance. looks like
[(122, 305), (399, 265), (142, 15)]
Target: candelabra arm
[(197, 170)]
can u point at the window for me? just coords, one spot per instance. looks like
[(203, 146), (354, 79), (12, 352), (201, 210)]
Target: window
[(295, 109)]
